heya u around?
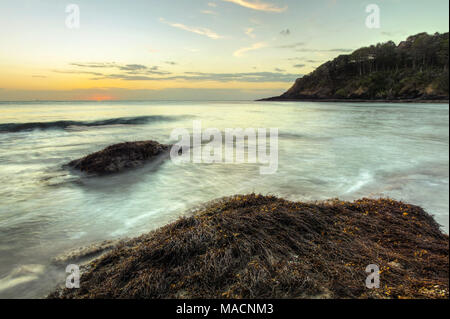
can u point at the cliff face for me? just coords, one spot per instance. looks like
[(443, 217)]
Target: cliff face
[(416, 69)]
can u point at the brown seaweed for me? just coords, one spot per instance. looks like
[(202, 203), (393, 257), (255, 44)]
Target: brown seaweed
[(254, 246), (118, 157)]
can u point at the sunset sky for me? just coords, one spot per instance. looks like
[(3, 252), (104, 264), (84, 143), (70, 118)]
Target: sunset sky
[(196, 49)]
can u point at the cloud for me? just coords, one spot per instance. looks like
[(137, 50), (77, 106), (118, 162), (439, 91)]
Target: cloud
[(95, 65), (128, 77), (299, 66), (212, 4), (209, 12), (256, 46), (130, 69), (133, 67), (242, 77), (249, 32), (77, 72), (198, 30), (258, 5), (216, 77), (301, 44), (301, 59), (140, 72), (308, 61), (285, 32), (342, 50), (292, 45)]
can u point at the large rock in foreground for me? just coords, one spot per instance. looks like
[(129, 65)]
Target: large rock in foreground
[(116, 158), (264, 247)]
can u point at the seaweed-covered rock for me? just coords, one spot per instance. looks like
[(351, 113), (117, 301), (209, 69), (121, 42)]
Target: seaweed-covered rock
[(118, 157), (257, 246)]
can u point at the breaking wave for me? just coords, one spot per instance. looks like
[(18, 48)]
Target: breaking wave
[(139, 120)]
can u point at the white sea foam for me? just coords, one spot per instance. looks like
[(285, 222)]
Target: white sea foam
[(364, 178), (21, 275)]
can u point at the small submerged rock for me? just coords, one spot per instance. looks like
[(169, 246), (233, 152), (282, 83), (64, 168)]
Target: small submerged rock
[(118, 157)]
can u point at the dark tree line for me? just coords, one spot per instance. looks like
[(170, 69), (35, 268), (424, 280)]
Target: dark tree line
[(419, 52)]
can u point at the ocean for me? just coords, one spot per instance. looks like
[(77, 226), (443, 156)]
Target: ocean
[(325, 150)]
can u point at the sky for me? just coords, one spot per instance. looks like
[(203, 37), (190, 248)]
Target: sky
[(188, 49)]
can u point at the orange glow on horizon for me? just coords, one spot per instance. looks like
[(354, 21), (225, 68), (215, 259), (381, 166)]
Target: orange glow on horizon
[(100, 98)]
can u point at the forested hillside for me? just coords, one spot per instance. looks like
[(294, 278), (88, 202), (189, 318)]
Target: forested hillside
[(414, 69)]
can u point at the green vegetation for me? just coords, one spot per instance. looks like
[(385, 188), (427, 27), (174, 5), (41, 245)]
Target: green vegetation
[(415, 69), (253, 246)]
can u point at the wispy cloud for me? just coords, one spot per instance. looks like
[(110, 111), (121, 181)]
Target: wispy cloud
[(299, 66), (139, 72), (78, 72), (209, 12), (256, 46), (292, 45), (301, 59), (260, 77), (249, 32), (134, 67), (198, 30), (298, 46), (129, 69), (285, 32), (339, 50), (242, 77), (95, 65), (258, 5)]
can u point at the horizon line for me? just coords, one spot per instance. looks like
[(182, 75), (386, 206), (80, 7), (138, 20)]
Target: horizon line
[(128, 100)]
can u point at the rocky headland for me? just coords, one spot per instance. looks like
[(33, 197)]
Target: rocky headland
[(415, 70)]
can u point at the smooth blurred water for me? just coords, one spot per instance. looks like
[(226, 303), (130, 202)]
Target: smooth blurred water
[(326, 150)]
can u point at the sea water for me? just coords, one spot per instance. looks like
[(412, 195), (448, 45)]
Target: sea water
[(325, 150)]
